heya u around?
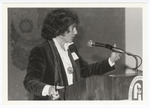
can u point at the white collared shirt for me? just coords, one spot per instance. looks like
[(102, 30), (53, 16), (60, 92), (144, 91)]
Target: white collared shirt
[(65, 59)]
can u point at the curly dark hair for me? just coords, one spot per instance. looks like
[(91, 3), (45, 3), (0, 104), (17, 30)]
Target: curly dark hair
[(57, 22)]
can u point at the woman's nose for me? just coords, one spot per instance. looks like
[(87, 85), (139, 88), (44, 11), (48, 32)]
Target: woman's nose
[(75, 30)]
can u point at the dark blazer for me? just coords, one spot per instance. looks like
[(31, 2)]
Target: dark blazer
[(40, 70)]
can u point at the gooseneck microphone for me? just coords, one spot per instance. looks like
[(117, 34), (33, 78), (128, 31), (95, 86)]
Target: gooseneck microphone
[(115, 49), (91, 43)]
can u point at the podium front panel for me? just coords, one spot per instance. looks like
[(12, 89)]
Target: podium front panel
[(114, 87)]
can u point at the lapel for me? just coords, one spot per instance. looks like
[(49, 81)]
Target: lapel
[(77, 72), (63, 74)]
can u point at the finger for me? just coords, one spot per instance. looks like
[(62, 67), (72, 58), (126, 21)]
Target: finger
[(54, 92), (54, 97), (115, 45), (60, 87), (120, 55), (117, 57), (117, 54)]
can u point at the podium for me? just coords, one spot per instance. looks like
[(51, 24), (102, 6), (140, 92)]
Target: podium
[(111, 87)]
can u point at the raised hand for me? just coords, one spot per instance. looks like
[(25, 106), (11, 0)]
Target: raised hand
[(115, 56)]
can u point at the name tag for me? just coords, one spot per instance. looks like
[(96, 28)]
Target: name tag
[(74, 55)]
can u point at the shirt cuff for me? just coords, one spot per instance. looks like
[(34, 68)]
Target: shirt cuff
[(111, 63), (45, 91)]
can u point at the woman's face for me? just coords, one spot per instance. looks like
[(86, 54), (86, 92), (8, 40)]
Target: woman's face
[(70, 34)]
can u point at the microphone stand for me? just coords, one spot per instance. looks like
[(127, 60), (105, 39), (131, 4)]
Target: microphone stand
[(136, 62), (119, 50)]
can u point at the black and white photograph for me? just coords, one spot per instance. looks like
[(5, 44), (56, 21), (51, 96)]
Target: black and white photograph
[(61, 53)]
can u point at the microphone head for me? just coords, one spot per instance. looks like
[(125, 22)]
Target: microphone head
[(90, 43)]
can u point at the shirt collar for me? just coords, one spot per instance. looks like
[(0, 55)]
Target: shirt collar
[(66, 45)]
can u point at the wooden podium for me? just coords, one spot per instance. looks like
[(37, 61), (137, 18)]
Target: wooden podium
[(112, 87)]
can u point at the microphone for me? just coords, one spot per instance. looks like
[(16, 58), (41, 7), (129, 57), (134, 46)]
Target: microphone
[(91, 43), (115, 49)]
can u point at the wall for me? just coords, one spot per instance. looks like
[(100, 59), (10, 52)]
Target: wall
[(133, 22), (105, 25)]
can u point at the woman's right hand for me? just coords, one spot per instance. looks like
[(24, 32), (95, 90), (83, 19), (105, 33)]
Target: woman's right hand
[(53, 93)]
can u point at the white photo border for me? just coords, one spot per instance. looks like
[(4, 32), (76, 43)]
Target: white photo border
[(115, 104)]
